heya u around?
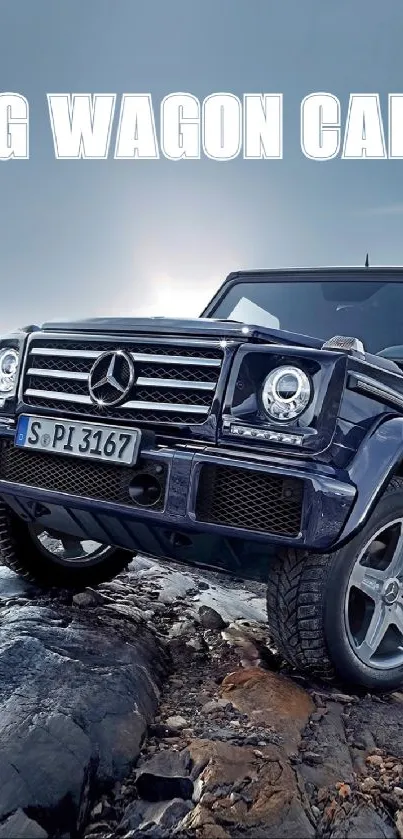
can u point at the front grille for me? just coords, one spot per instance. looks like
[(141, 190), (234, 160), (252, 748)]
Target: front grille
[(175, 382), (75, 476), (250, 500)]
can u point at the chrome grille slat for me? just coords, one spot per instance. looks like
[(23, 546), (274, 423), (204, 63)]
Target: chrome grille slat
[(151, 357), (175, 381), (85, 400), (141, 380), (65, 353), (176, 359), (58, 374), (58, 395)]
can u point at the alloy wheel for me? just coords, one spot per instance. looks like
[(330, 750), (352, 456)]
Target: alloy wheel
[(374, 600), (69, 550)]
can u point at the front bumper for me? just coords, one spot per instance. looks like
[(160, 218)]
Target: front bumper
[(215, 507)]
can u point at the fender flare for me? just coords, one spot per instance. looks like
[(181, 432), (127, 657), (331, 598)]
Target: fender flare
[(375, 463)]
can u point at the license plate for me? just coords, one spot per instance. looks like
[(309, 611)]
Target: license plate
[(108, 443)]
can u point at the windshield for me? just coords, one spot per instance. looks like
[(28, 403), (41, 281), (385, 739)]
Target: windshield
[(371, 311)]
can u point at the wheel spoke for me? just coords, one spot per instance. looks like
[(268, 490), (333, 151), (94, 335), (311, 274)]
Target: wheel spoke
[(395, 567), (368, 580), (397, 616), (72, 546), (68, 550), (379, 623), (374, 599)]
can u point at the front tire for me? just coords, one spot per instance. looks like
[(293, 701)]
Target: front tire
[(36, 555), (341, 614)]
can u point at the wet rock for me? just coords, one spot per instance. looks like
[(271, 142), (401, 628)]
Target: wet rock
[(166, 814), (202, 820), (182, 651), (161, 731), (133, 816), (270, 699), (375, 760), (144, 815), (176, 722), (231, 602), (197, 644), (235, 604), (89, 597), (365, 741), (251, 639), (75, 701), (164, 776), (242, 633), (210, 618), (363, 821), (368, 784), (166, 763), (19, 826), (383, 719), (153, 570), (102, 830), (175, 585), (181, 629), (197, 790), (248, 774), (130, 612), (139, 563), (343, 698), (275, 807), (313, 758), (151, 787), (13, 587), (328, 741), (214, 705)]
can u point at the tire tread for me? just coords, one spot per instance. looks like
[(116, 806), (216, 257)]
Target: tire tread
[(296, 603)]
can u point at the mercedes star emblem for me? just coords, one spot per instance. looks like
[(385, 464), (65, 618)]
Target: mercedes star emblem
[(111, 378), (391, 591)]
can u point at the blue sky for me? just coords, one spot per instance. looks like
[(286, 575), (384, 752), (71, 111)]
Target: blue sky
[(92, 237)]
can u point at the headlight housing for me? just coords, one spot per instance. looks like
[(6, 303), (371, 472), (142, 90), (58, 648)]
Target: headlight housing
[(9, 359), (286, 393)]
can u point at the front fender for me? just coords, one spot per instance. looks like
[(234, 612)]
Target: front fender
[(377, 460)]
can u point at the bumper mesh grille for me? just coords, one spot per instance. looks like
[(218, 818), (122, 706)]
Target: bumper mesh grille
[(251, 500), (100, 481)]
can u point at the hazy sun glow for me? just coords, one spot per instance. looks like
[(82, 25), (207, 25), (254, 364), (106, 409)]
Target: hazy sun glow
[(176, 298)]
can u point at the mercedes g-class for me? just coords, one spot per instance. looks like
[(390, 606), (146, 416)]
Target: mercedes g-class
[(264, 439)]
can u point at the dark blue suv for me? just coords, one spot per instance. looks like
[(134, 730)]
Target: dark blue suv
[(264, 439)]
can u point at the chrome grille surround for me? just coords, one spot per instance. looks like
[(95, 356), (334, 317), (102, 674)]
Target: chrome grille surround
[(175, 379)]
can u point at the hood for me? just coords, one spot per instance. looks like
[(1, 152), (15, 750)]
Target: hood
[(197, 327)]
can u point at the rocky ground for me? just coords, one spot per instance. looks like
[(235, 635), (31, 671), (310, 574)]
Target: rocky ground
[(154, 706)]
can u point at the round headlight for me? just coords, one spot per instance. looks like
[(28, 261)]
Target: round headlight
[(8, 370), (286, 393)]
